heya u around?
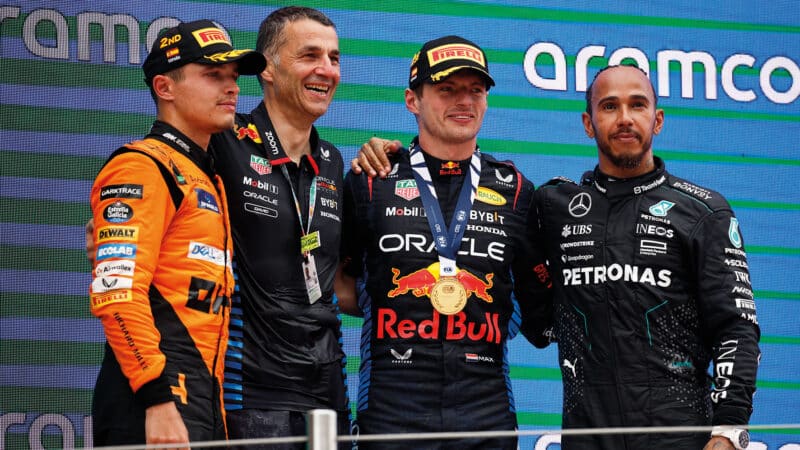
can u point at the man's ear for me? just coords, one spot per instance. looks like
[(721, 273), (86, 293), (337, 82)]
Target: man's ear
[(164, 86), (587, 125), (268, 71), (659, 121), (411, 101)]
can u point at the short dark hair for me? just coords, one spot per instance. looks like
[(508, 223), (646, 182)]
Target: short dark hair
[(270, 32), (591, 86), (176, 75)]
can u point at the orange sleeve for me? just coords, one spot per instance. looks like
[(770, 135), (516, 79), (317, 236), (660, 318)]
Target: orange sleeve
[(131, 206)]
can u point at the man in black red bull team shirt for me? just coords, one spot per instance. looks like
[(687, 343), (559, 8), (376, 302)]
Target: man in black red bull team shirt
[(442, 242)]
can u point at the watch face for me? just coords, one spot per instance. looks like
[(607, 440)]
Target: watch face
[(744, 439)]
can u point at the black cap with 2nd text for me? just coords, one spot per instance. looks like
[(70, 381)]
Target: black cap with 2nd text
[(201, 42), (440, 58)]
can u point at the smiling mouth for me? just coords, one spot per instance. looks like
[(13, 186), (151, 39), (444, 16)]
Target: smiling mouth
[(320, 88), (461, 116)]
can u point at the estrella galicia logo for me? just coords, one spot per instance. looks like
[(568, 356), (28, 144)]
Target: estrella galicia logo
[(580, 205), (660, 209), (118, 212), (733, 233), (206, 200), (116, 251), (121, 191)]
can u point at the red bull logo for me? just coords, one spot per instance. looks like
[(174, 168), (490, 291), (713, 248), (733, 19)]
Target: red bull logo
[(450, 168), (420, 282), (456, 327), (475, 286), (249, 132)]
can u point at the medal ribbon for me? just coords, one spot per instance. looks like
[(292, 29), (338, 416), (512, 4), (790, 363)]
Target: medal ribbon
[(447, 242)]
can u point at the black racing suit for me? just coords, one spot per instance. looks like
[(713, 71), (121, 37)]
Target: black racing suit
[(651, 285), (285, 353), (422, 371)]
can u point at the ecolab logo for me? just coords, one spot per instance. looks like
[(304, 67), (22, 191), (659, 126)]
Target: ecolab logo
[(115, 251), (616, 272)]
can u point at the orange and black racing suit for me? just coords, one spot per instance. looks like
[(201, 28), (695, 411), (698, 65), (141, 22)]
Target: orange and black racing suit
[(161, 287)]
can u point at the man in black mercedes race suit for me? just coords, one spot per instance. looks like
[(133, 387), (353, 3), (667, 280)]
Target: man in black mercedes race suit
[(651, 285)]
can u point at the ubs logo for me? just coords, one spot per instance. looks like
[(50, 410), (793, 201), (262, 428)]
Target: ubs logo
[(580, 205)]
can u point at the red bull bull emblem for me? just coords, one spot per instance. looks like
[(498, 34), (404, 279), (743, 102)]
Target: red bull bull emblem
[(450, 168), (249, 132), (452, 292)]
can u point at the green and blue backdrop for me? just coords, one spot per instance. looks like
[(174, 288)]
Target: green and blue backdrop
[(71, 91)]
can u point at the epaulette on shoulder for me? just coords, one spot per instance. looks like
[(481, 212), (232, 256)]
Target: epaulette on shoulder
[(555, 181), (710, 198)]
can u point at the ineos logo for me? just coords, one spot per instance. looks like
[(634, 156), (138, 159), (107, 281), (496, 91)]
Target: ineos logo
[(580, 205)]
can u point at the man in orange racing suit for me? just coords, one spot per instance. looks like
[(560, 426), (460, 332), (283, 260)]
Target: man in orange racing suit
[(162, 275)]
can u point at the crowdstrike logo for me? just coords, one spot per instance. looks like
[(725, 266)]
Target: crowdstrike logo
[(580, 205)]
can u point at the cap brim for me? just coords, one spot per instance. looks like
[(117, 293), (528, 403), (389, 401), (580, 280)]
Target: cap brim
[(451, 70), (250, 62)]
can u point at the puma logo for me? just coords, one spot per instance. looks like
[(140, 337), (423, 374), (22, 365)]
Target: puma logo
[(571, 366)]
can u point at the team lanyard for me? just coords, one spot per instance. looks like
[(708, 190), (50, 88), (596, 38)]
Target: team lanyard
[(306, 239), (276, 155), (447, 242)]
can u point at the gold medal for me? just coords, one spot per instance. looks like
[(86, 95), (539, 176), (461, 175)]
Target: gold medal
[(448, 296)]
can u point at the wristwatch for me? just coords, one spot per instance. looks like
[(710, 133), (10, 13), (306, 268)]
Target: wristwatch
[(739, 437)]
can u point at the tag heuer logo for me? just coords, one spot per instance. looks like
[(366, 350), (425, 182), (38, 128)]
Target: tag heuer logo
[(260, 165), (406, 189)]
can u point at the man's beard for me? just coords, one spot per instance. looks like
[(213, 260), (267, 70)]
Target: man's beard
[(625, 162)]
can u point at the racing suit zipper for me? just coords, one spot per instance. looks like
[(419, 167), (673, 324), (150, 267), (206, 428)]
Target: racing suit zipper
[(610, 326)]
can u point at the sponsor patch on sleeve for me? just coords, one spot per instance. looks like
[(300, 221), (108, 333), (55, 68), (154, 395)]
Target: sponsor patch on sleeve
[(123, 267), (118, 296), (106, 251), (121, 191), (106, 283), (118, 212), (206, 200), (118, 234)]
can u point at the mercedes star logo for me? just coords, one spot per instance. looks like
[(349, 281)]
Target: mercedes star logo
[(580, 205)]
